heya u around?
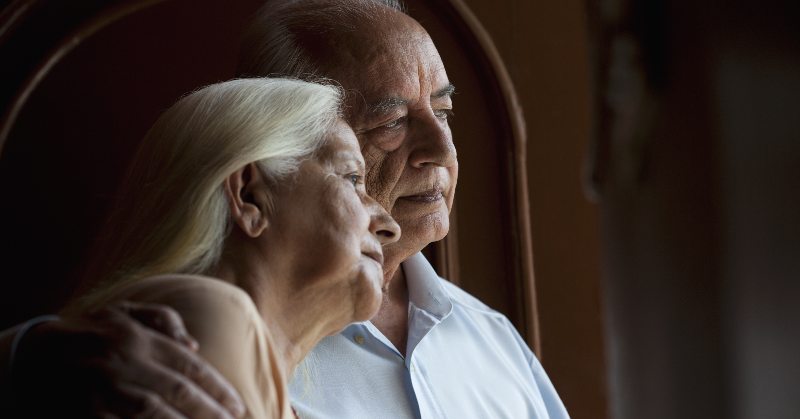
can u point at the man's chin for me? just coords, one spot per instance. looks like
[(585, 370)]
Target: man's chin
[(420, 230), (415, 236)]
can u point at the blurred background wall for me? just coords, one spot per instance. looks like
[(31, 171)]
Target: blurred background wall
[(697, 168)]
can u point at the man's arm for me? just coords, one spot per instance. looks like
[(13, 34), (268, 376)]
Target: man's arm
[(126, 360)]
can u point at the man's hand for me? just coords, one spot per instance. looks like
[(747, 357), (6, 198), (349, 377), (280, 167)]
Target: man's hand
[(128, 360)]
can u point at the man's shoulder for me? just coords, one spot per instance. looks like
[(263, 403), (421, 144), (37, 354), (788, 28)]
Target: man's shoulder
[(464, 299), (491, 322), (428, 286)]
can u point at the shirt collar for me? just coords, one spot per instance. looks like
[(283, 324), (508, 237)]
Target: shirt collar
[(424, 289)]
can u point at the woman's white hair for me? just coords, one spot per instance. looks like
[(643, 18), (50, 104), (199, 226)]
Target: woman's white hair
[(172, 214)]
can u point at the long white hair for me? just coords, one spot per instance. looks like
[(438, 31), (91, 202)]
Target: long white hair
[(171, 213)]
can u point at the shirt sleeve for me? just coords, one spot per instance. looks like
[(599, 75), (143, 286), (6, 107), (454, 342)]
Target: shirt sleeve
[(231, 334)]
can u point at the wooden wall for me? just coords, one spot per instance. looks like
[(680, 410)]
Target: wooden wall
[(544, 46)]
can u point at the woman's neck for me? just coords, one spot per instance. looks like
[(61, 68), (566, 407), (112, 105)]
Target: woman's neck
[(293, 326)]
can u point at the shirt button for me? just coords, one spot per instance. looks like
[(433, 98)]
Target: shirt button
[(412, 367), (359, 339)]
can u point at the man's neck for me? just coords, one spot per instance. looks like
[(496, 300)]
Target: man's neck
[(392, 318)]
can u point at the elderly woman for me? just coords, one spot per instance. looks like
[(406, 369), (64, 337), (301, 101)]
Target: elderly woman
[(245, 210)]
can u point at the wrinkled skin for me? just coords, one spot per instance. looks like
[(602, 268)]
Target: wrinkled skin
[(406, 142), (398, 106), (308, 249), (126, 360), (327, 232)]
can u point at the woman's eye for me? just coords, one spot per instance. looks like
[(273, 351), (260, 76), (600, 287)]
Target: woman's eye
[(354, 179)]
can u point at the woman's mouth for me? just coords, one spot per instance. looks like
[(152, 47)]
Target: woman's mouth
[(376, 256)]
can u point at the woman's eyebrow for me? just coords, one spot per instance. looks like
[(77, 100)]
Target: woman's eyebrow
[(350, 157)]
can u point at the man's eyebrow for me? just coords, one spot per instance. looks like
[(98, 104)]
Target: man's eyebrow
[(443, 92), (389, 103), (386, 104)]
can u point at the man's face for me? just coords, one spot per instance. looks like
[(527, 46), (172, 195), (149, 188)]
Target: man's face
[(398, 105)]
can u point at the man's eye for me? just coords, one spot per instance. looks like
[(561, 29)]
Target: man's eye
[(395, 123), (443, 113)]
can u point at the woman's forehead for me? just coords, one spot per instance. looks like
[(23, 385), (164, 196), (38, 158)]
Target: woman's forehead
[(341, 144)]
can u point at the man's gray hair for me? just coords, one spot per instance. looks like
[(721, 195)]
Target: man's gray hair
[(287, 37)]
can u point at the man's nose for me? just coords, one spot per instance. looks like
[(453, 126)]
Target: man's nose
[(381, 224), (431, 142)]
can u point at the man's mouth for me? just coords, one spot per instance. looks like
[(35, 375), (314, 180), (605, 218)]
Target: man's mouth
[(429, 196)]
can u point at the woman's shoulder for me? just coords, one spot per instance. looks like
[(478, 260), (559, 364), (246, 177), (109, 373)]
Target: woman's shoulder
[(199, 299), (203, 289), (218, 314), (232, 334), (186, 282)]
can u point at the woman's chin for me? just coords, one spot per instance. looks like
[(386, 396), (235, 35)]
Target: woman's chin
[(364, 292), (369, 303), (366, 308)]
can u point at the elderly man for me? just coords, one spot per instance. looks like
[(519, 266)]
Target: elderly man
[(432, 351)]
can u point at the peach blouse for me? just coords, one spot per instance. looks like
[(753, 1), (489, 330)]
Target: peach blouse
[(231, 333)]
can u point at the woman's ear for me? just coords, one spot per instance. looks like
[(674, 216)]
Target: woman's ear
[(248, 197)]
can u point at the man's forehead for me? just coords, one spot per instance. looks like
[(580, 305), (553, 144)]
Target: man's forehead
[(387, 65), (386, 87), (368, 40), (377, 61)]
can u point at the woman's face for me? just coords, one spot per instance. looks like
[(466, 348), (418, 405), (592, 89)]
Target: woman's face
[(327, 232)]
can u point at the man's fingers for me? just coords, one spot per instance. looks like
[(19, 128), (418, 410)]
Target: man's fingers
[(136, 402), (184, 395), (159, 317), (197, 371), (193, 386)]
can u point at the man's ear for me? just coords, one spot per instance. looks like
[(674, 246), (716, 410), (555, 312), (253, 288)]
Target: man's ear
[(248, 197)]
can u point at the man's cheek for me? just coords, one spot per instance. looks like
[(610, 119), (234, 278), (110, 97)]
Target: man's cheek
[(384, 199), (373, 156), (379, 186), (453, 171)]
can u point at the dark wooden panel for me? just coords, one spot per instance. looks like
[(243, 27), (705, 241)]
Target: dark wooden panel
[(75, 133)]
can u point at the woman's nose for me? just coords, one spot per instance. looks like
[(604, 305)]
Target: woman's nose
[(381, 224)]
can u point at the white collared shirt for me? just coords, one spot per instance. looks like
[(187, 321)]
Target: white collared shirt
[(463, 360)]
